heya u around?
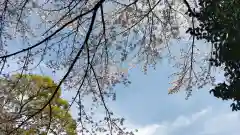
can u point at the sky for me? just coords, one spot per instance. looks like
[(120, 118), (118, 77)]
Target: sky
[(146, 105)]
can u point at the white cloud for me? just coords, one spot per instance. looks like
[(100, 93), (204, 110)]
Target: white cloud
[(184, 121), (222, 124), (152, 129), (208, 121)]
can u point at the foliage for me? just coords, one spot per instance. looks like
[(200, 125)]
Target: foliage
[(24, 95), (219, 25)]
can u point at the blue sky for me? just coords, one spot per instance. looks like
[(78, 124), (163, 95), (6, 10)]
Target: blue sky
[(146, 104)]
